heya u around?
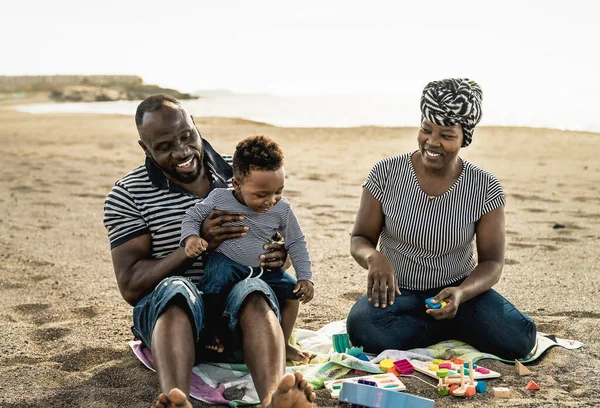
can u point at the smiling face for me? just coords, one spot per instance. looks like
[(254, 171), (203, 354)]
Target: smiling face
[(170, 138), (439, 145), (260, 189)]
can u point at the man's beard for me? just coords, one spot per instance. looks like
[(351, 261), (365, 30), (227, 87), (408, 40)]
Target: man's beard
[(184, 179)]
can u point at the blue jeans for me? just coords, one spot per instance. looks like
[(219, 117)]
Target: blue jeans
[(181, 290), (488, 322), (221, 273)]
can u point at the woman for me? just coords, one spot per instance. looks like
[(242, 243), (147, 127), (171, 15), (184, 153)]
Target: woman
[(425, 209)]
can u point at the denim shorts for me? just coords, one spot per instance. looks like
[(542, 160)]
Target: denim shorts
[(147, 311), (222, 274)]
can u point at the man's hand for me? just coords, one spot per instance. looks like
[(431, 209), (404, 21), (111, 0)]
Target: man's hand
[(194, 246), (214, 232), (453, 298), (305, 289), (382, 283), (275, 256)]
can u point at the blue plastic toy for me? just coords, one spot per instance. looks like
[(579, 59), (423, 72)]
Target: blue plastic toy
[(374, 397), (432, 305)]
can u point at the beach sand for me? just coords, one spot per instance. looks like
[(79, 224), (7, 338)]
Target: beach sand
[(64, 326)]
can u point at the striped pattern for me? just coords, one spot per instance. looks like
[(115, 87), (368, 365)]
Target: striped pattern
[(454, 101), (136, 206), (430, 241), (261, 228)]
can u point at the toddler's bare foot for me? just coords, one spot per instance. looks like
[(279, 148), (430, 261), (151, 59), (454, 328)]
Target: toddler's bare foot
[(293, 353), (175, 399), (293, 392), (213, 342)]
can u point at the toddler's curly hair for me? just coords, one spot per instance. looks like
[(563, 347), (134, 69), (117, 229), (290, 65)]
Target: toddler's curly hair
[(256, 153)]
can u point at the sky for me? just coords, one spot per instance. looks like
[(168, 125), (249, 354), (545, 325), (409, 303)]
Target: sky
[(311, 47)]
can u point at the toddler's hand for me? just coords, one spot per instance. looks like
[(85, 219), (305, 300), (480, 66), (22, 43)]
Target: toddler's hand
[(194, 246), (305, 289)]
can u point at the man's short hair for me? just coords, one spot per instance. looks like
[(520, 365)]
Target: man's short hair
[(256, 153), (152, 104)]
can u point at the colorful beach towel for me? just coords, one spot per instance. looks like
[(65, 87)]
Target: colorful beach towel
[(231, 384)]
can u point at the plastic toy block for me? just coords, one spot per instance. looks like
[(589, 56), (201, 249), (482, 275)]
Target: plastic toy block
[(434, 367), (482, 370), (453, 388), (470, 391), (404, 366), (501, 392), (466, 371), (466, 365), (432, 305), (445, 391), (521, 369), (443, 303), (363, 357), (445, 365), (386, 364), (531, 385), (354, 351), (458, 361), (442, 372), (381, 398), (394, 371), (481, 387), (341, 342), (367, 382), (438, 361)]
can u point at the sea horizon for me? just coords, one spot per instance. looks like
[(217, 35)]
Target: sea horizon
[(344, 111)]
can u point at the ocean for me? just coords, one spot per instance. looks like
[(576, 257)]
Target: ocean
[(579, 112)]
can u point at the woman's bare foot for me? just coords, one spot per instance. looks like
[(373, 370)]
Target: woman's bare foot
[(293, 391), (175, 399), (213, 342), (293, 353)]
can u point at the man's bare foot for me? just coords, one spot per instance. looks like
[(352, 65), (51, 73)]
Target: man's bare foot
[(175, 399), (213, 342), (293, 353), (293, 391)]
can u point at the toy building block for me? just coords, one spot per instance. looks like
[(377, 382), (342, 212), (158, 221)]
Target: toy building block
[(363, 357), (354, 351), (361, 394), (481, 387), (386, 364), (404, 366), (431, 305), (532, 386), (341, 342), (470, 391), (482, 370), (453, 388), (445, 365), (434, 367), (457, 361), (394, 371), (521, 369), (501, 392)]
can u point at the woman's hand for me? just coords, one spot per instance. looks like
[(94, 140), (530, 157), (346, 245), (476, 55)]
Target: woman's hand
[(382, 286), (453, 296)]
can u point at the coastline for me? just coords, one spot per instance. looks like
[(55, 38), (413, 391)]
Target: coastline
[(66, 325)]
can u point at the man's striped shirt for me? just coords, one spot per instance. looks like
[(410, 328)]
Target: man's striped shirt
[(261, 228), (430, 240), (145, 202)]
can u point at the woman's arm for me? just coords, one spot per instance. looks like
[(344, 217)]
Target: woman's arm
[(490, 239), (382, 282)]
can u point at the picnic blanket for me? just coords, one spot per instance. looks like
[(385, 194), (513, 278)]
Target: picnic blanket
[(231, 384)]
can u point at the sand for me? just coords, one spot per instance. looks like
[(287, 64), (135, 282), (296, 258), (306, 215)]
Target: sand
[(64, 325)]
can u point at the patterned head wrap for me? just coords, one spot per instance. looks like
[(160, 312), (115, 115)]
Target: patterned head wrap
[(455, 101)]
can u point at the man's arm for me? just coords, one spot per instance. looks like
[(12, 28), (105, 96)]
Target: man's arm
[(137, 273)]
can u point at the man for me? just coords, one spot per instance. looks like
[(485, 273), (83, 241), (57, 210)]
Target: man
[(142, 214)]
